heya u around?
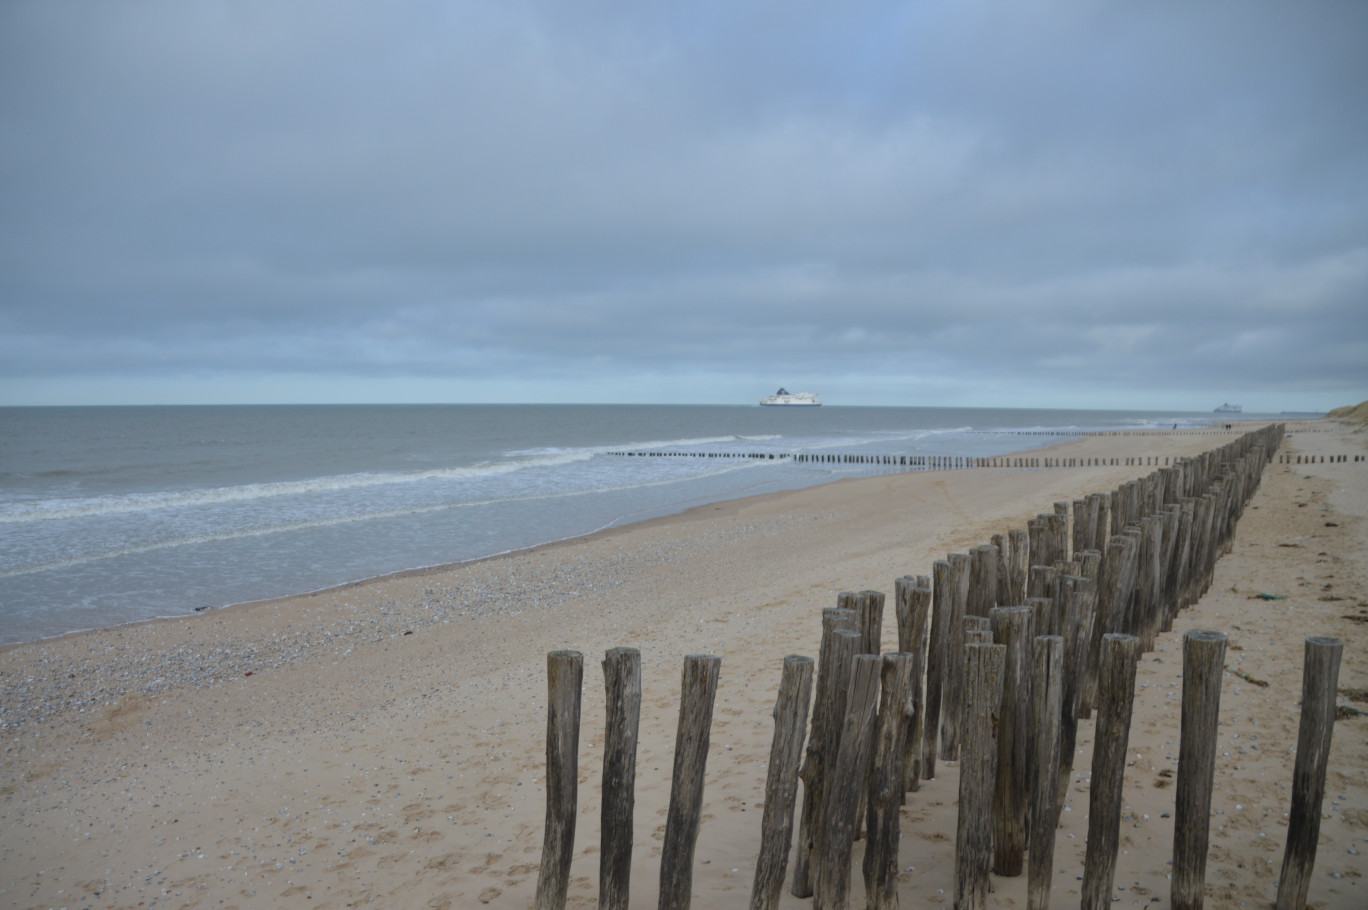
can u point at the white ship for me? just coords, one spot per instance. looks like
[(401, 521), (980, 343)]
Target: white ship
[(1229, 409), (785, 398)]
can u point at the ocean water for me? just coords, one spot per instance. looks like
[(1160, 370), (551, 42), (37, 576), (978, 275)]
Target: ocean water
[(113, 515)]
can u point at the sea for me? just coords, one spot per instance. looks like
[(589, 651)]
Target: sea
[(112, 515)]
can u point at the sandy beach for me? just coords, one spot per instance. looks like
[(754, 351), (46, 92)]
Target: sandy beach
[(383, 743)]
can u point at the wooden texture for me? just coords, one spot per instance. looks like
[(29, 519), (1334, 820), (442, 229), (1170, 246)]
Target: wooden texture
[(1116, 698), (937, 662), (952, 697), (622, 685), (870, 608), (983, 562), (1077, 626), (564, 678), (1115, 581), (914, 612), (984, 665), (1012, 627), (845, 787), (1019, 542), (698, 692), (1320, 680), (886, 781), (781, 784), (1203, 664), (1047, 690), (833, 668)]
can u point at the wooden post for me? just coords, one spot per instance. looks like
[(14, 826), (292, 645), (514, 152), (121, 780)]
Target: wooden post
[(833, 671), (1048, 705), (1116, 698), (1203, 664), (870, 607), (622, 682), (1115, 583), (1004, 570), (914, 607), (1012, 627), (984, 664), (1020, 543), (698, 692), (781, 786), (564, 678), (845, 787), (937, 663), (1151, 570), (982, 580), (1320, 681), (952, 698), (886, 782), (1077, 627)]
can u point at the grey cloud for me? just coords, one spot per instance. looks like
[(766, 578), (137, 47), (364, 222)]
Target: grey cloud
[(1078, 191)]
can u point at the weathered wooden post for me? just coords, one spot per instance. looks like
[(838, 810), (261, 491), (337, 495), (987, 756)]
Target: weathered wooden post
[(1012, 627), (845, 787), (564, 678), (839, 642), (1116, 698), (1115, 584), (984, 664), (869, 606), (914, 608), (952, 698), (1047, 709), (1004, 569), (937, 662), (1320, 681), (1019, 542), (870, 609), (781, 785), (1077, 628), (887, 781), (1203, 663), (982, 580), (698, 692), (622, 682)]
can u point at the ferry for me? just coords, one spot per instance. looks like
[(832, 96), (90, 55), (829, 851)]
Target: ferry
[(1229, 409), (785, 398)]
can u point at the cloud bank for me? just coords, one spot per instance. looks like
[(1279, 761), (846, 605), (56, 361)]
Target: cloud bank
[(1075, 203)]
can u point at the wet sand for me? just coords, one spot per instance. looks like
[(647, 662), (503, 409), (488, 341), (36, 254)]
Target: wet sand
[(383, 743)]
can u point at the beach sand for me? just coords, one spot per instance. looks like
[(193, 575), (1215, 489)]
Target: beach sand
[(384, 743)]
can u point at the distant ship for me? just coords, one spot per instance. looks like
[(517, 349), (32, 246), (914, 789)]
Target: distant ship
[(785, 398), (1229, 409)]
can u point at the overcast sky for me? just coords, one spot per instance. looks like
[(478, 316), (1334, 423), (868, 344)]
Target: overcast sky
[(1061, 203)]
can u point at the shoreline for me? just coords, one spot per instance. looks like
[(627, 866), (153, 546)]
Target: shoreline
[(384, 742), (1073, 437)]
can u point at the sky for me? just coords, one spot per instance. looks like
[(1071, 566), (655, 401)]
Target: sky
[(1063, 203)]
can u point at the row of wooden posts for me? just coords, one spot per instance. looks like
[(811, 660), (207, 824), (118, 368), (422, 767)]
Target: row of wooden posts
[(1001, 651), (1319, 459), (924, 462)]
